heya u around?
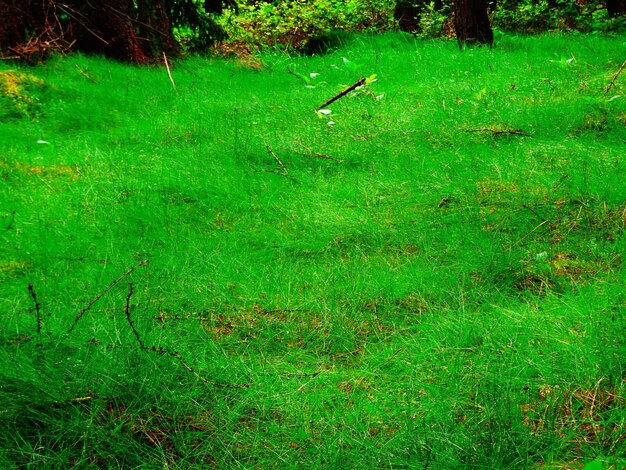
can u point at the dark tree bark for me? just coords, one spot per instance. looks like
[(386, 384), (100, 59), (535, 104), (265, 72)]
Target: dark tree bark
[(12, 22), (109, 28), (155, 28), (406, 14), (136, 31), (471, 22), (616, 8)]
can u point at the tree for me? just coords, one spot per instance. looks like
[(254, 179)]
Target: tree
[(471, 22), (616, 8), (129, 30), (11, 29)]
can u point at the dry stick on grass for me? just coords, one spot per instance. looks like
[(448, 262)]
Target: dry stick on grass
[(525, 206), (163, 351), (169, 74), (314, 154), (129, 319), (343, 93), (85, 74), (282, 165), (101, 294), (532, 231), (291, 72), (495, 132), (31, 290), (606, 90)]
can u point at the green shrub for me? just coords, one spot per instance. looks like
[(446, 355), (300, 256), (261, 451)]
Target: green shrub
[(542, 15), (292, 24)]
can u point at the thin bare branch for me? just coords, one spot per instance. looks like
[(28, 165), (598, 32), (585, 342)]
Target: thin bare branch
[(617, 74), (343, 93), (280, 162), (105, 291), (169, 73)]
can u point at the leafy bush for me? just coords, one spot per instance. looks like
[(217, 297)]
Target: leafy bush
[(542, 15), (293, 24), (434, 18)]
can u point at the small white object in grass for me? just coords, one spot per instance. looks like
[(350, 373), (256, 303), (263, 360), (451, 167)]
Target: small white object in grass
[(542, 256), (324, 112), (309, 86), (43, 142), (331, 123), (313, 74), (380, 97)]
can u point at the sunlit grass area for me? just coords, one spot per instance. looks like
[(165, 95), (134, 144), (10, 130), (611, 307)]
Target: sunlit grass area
[(208, 271)]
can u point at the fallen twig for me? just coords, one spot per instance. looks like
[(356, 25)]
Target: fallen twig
[(343, 93), (606, 90), (280, 162), (169, 73), (533, 230), (129, 319), (291, 72), (495, 132), (31, 290), (101, 294), (314, 154), (85, 74), (534, 212), (167, 352)]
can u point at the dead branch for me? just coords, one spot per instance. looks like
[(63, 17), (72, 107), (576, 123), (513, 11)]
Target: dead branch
[(85, 74), (129, 319), (39, 46), (31, 290), (282, 165), (191, 370), (313, 154), (291, 72), (168, 71), (103, 293), (496, 132), (163, 351), (606, 90), (343, 93), (533, 211), (533, 230)]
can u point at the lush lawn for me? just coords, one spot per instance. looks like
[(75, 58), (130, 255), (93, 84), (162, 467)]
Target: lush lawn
[(436, 280)]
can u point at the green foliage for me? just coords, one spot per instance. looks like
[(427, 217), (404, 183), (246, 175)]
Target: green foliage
[(294, 24), (435, 280), (432, 20), (526, 16), (543, 15), (194, 22)]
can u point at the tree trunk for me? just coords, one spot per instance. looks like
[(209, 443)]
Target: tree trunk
[(126, 30), (13, 14), (616, 8), (472, 22), (136, 31), (155, 28), (109, 27)]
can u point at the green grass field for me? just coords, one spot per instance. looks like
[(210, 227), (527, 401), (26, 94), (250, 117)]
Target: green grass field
[(430, 276)]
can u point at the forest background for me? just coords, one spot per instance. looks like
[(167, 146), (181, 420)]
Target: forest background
[(143, 30)]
